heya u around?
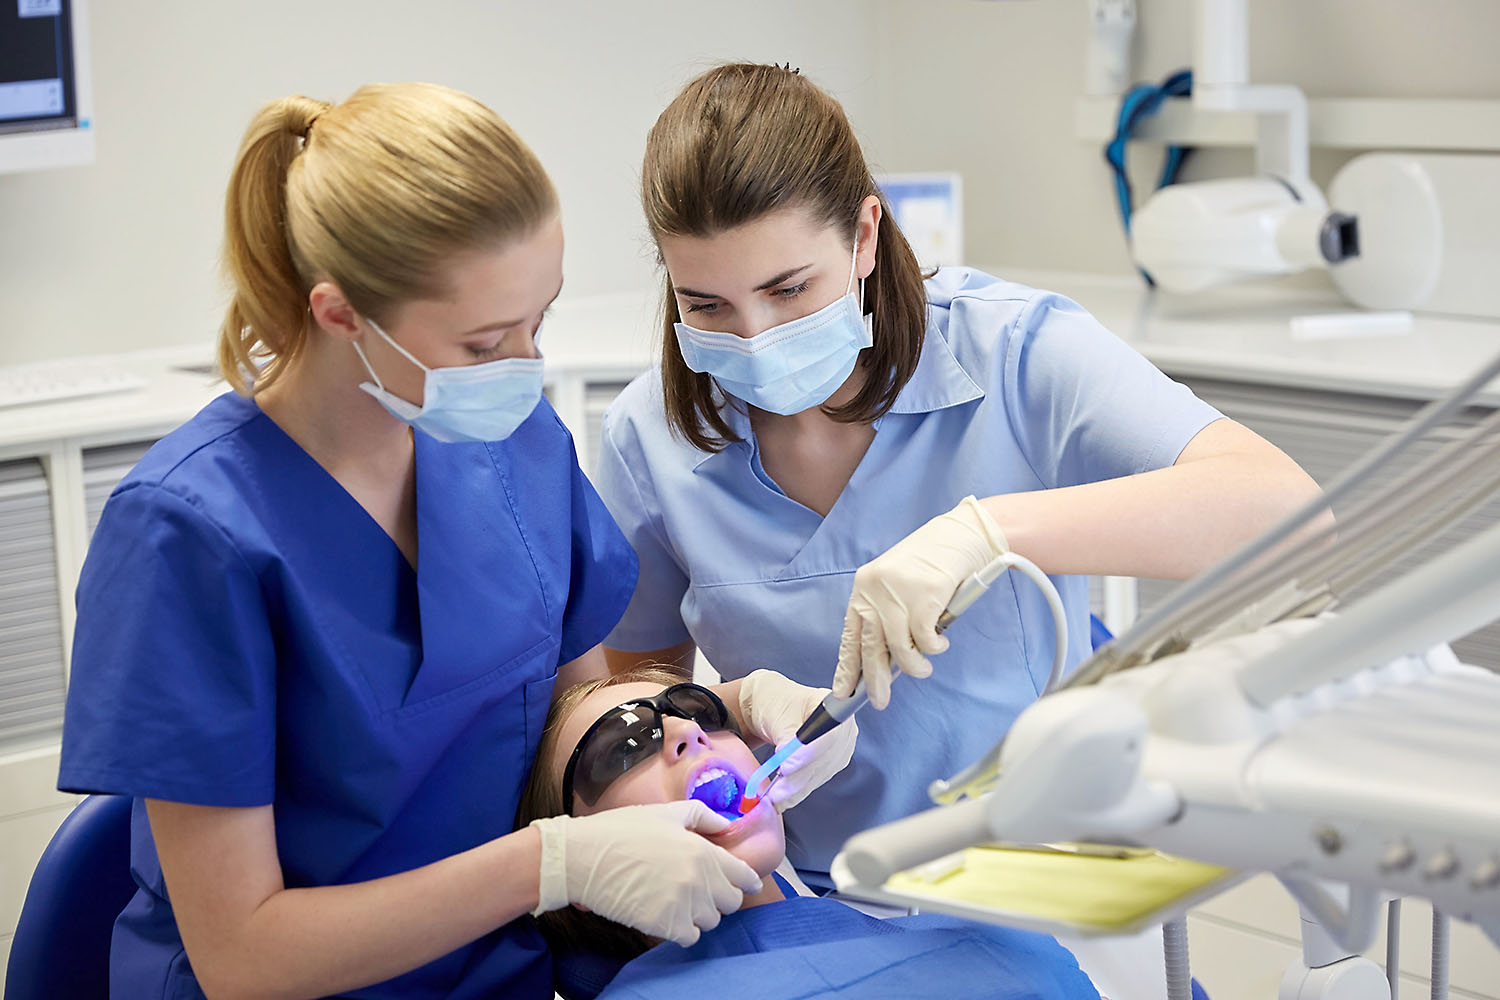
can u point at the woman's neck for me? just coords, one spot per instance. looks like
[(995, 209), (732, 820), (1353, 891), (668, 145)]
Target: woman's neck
[(318, 402), (809, 455)]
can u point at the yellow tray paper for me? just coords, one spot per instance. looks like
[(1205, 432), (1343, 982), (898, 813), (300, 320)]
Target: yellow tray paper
[(1071, 889)]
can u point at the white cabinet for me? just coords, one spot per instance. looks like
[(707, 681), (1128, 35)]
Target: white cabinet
[(31, 643)]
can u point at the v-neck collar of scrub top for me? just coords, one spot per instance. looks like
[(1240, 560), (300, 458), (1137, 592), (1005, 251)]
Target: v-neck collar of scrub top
[(939, 382), (462, 555)]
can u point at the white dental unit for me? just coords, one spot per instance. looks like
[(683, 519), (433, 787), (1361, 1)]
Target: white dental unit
[(1296, 710), (1257, 722)]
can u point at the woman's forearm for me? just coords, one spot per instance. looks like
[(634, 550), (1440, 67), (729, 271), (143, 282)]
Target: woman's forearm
[(335, 938), (1170, 523), (248, 937)]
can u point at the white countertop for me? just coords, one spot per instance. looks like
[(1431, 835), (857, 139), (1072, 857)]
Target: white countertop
[(610, 335), (1241, 334), (1245, 334)]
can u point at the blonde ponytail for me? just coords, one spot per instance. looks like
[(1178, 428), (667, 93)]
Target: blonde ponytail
[(376, 194), (267, 315)]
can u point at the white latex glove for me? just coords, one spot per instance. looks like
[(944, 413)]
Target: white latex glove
[(774, 708), (644, 866), (899, 595)]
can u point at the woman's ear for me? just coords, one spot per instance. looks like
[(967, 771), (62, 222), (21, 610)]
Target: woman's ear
[(867, 233), (332, 312)]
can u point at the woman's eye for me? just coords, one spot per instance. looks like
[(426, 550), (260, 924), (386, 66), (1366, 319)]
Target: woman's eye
[(791, 292), (702, 306), (481, 353)]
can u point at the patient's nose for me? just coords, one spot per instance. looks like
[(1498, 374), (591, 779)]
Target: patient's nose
[(681, 737)]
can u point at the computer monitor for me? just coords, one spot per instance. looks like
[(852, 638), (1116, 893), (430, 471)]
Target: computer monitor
[(46, 102)]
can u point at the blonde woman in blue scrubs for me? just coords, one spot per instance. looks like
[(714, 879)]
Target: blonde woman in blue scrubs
[(320, 624), (833, 443)]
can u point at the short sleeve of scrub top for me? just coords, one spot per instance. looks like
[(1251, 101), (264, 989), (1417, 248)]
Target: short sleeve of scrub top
[(201, 722), (652, 619), (1017, 390), (248, 635), (1112, 415)]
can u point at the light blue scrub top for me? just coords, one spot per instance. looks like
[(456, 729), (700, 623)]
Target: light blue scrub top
[(1017, 390)]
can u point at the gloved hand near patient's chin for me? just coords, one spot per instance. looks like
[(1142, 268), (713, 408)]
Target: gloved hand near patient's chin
[(774, 708), (644, 866), (899, 595)]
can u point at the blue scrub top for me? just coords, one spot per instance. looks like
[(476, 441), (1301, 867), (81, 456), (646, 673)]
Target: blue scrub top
[(1017, 390), (807, 946), (248, 635)]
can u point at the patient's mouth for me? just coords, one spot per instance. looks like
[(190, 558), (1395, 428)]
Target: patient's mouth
[(720, 789)]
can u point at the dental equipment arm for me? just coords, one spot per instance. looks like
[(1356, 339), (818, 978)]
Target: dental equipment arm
[(1387, 781), (1260, 568), (1452, 595), (835, 710), (1352, 748)]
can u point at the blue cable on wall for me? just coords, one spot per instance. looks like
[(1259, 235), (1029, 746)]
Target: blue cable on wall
[(1139, 103)]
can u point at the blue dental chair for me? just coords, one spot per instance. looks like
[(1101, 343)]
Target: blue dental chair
[(81, 883)]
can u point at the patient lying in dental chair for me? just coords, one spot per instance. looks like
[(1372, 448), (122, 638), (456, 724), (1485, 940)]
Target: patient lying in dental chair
[(601, 751)]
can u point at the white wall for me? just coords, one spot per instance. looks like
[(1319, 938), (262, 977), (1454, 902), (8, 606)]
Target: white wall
[(987, 89), (123, 253)]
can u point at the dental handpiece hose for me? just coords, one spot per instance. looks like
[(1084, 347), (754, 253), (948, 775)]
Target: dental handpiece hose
[(835, 710)]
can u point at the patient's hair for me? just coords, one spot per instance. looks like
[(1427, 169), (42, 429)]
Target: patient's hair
[(570, 929)]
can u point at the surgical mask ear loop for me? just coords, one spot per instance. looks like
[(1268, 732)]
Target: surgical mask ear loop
[(854, 266), (387, 338), (366, 362)]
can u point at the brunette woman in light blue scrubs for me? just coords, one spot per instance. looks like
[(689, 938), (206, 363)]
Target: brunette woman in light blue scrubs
[(320, 624), (833, 442)]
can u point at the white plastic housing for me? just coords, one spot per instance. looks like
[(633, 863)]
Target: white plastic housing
[(1429, 232), (1189, 237)]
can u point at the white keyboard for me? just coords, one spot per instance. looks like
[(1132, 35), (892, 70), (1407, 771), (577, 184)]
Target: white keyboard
[(56, 381)]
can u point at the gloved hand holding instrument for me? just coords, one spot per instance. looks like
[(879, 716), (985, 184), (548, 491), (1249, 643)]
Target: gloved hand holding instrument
[(958, 554), (775, 707)]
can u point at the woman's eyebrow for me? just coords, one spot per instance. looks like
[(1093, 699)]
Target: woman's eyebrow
[(783, 276), (506, 324)]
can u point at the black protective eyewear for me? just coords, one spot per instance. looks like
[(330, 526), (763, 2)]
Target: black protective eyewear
[(631, 733)]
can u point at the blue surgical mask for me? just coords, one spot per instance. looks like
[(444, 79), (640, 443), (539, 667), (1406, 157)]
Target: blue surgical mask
[(791, 367), (484, 402)]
